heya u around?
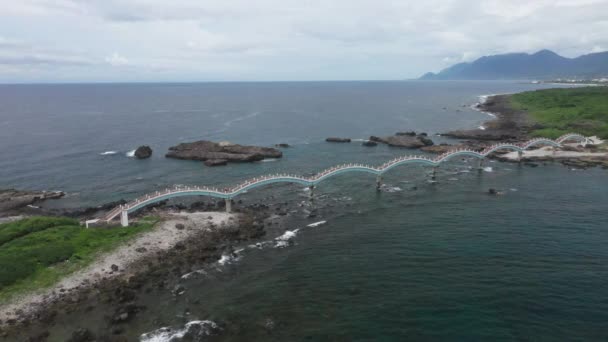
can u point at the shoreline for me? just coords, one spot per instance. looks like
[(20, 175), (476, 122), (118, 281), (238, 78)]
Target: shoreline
[(121, 263)]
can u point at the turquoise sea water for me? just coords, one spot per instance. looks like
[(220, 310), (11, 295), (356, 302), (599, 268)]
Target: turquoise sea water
[(420, 261)]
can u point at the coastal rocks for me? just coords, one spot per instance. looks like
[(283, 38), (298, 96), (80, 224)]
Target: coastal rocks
[(12, 199), (441, 148), (338, 140), (404, 139), (480, 134), (143, 152), (510, 124), (369, 143), (584, 163), (218, 153)]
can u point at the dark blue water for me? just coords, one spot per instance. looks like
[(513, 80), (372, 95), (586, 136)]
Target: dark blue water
[(431, 262)]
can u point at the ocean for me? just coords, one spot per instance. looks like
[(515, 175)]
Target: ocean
[(417, 261)]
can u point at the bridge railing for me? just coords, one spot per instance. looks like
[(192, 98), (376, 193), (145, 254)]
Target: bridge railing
[(315, 177)]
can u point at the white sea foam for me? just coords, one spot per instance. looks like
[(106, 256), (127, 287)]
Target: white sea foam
[(488, 169), (269, 160), (482, 128), (195, 330), (229, 258), (316, 224), (108, 153), (130, 154), (286, 239), (193, 273), (241, 118)]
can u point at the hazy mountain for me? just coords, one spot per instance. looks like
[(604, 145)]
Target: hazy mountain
[(542, 65)]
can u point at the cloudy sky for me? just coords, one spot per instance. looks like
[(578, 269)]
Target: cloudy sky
[(228, 40)]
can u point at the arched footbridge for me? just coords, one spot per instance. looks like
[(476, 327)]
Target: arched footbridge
[(228, 193)]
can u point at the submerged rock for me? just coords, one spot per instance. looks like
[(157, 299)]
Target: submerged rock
[(143, 152), (338, 140), (81, 335), (369, 143)]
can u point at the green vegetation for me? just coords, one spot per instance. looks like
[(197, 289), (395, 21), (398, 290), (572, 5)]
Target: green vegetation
[(37, 252), (559, 111)]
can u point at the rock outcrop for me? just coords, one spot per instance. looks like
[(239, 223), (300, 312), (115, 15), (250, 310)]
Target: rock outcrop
[(143, 152), (404, 139), (12, 199), (216, 153)]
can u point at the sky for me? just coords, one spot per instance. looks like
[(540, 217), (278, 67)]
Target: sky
[(276, 40)]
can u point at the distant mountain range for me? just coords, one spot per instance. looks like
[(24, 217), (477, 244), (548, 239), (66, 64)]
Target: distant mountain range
[(543, 65)]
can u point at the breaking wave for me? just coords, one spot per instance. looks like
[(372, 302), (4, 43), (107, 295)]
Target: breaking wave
[(286, 239), (130, 154), (192, 331), (108, 153)]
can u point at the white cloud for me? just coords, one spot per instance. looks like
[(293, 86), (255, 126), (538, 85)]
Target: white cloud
[(116, 60)]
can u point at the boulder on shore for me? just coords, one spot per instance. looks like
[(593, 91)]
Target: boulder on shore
[(338, 140), (207, 150), (143, 152)]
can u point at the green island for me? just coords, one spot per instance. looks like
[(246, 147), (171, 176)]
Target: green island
[(37, 252), (583, 110)]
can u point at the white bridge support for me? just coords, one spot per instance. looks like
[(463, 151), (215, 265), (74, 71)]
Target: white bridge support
[(124, 218), (228, 205), (519, 155)]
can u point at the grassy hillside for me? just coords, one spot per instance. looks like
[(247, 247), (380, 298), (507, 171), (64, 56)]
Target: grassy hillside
[(37, 252), (559, 111)]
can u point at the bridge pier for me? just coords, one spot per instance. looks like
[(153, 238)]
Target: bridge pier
[(480, 165), (124, 218), (378, 182), (434, 173), (228, 205), (519, 156), (311, 193)]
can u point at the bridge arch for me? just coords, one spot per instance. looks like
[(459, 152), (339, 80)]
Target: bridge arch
[(536, 142), (280, 179), (346, 169), (467, 153), (572, 136), (412, 160)]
